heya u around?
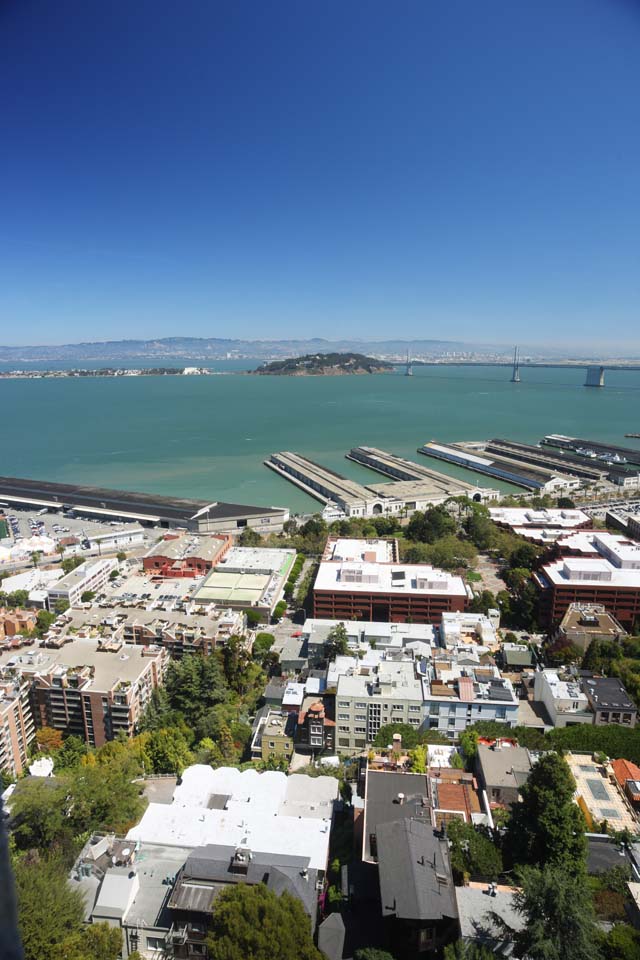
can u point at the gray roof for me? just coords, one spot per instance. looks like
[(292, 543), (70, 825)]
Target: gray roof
[(475, 909), (414, 872), (517, 655), (608, 693), (382, 805), (208, 870), (506, 767), (331, 933)]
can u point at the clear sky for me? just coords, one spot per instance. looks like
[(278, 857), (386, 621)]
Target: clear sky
[(437, 168)]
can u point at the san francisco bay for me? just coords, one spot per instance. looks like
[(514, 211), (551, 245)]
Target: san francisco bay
[(207, 436)]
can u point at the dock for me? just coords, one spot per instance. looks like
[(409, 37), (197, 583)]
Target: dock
[(411, 487), (530, 476)]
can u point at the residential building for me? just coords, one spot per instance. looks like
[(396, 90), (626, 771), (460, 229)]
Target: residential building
[(280, 814), (609, 701), (585, 622), (91, 576), (389, 693), (479, 905), (565, 703), (469, 629), (417, 892), (540, 526), (16, 621), (592, 567), (627, 776), (502, 769), (186, 556), (365, 635), (274, 736), (516, 657), (315, 731), (93, 690), (598, 796), (17, 729), (458, 694), (360, 580)]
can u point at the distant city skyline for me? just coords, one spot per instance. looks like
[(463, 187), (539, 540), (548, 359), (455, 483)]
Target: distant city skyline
[(439, 171)]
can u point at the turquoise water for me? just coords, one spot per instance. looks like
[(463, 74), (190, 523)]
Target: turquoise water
[(207, 436)]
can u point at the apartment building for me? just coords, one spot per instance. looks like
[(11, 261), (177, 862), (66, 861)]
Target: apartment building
[(563, 699), (363, 635), (16, 621), (94, 690), (458, 694), (362, 580), (585, 622), (609, 701), (366, 701), (91, 576), (17, 728)]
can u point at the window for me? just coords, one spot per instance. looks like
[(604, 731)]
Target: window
[(398, 706), (501, 713), (271, 744), (155, 943), (343, 741), (361, 716), (360, 730), (343, 716), (414, 709), (344, 729), (343, 703), (361, 706)]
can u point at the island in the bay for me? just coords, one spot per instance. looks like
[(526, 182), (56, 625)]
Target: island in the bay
[(324, 365)]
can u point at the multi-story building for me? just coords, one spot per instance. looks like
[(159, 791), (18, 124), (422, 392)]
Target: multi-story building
[(585, 622), (93, 690), (363, 635), (389, 693), (541, 526), (315, 730), (90, 577), (362, 580), (592, 567), (17, 728), (456, 695), (274, 736), (563, 699), (186, 556), (609, 701), (502, 769), (16, 621)]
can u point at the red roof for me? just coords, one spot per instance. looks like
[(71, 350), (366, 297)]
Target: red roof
[(465, 689), (625, 770)]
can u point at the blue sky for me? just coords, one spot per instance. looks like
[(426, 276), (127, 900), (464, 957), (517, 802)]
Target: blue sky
[(436, 168)]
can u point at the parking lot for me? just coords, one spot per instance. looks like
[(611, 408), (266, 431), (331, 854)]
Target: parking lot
[(23, 524)]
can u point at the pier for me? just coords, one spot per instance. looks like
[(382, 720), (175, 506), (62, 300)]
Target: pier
[(529, 476), (411, 486)]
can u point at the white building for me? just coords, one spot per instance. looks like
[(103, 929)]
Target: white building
[(91, 576), (125, 537), (564, 701), (458, 694), (363, 635), (473, 629), (268, 811)]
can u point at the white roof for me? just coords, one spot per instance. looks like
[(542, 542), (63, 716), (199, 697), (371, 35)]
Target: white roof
[(344, 548), (398, 578), (526, 516), (268, 811)]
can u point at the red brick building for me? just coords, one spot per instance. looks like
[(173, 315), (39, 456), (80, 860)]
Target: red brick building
[(186, 556), (361, 580)]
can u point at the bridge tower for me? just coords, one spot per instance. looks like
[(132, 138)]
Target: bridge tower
[(409, 368), (515, 376), (595, 377)]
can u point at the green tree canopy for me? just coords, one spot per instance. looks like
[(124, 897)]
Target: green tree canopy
[(337, 642), (558, 914), (253, 922), (431, 525), (49, 911), (472, 852), (547, 828)]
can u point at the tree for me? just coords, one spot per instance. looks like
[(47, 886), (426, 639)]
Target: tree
[(49, 911), (410, 736), (87, 596), (253, 618), (469, 743), (48, 739), (337, 642), (253, 922), (121, 556), (279, 610), (483, 602), (372, 953), (70, 753), (168, 751), (35, 557), (622, 943), (431, 525), (262, 645), (61, 605), (98, 941), (547, 828), (249, 538), (419, 758), (70, 563), (464, 950), (44, 620), (472, 852), (565, 503), (558, 916), (38, 813)]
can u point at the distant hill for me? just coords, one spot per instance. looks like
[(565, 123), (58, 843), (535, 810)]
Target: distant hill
[(214, 348), (324, 365)]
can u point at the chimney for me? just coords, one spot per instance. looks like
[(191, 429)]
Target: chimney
[(400, 798), (397, 744)]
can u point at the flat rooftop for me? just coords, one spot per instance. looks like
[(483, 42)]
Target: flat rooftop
[(257, 560), (123, 502), (230, 588), (402, 579), (340, 549), (125, 665), (528, 517), (601, 798), (393, 796), (181, 548)]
